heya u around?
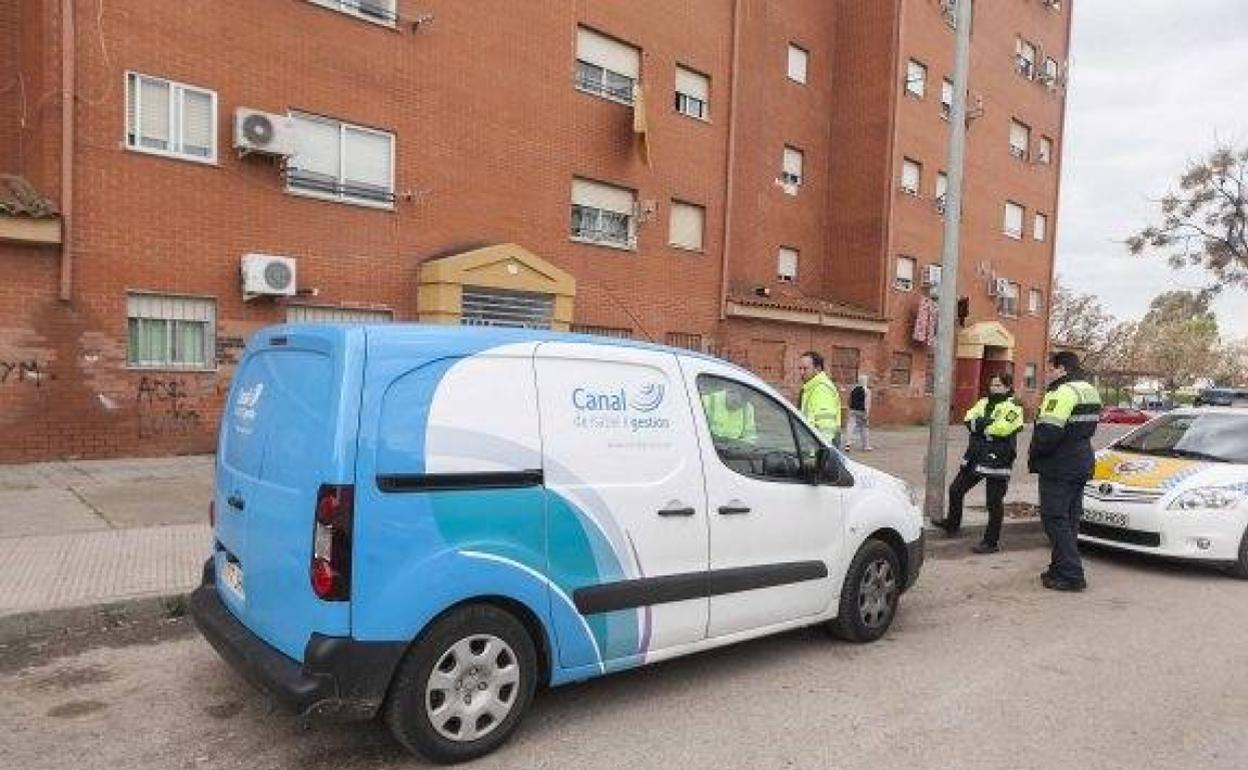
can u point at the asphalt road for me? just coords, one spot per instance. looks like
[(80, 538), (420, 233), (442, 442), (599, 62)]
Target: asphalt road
[(983, 669)]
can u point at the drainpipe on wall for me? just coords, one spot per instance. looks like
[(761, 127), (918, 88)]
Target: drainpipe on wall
[(732, 150), (67, 147)]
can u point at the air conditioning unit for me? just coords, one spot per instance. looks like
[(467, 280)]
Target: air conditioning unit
[(931, 275), (265, 275), (263, 132)]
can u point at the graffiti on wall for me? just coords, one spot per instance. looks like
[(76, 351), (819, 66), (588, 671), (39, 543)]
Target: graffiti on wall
[(17, 371), (165, 408)]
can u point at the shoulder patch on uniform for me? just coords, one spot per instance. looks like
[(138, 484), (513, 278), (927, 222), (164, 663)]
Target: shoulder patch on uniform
[(1050, 404)]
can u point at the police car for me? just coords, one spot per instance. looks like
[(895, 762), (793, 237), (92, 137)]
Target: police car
[(1175, 487)]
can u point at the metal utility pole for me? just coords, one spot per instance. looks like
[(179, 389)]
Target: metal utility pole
[(938, 436)]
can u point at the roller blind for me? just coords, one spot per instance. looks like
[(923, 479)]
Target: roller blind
[(1013, 219), (367, 159), (793, 161), (787, 263), (154, 111), (170, 308), (687, 225), (1020, 135), (602, 196), (798, 62), (693, 84), (911, 175), (320, 314), (319, 148), (197, 123), (598, 49)]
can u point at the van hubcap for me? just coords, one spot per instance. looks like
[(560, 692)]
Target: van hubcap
[(877, 593), (472, 688)]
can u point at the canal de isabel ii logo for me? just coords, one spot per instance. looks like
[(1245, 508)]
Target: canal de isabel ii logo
[(609, 407)]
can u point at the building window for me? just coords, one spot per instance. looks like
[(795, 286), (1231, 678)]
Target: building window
[(606, 67), (171, 332), (899, 372), (1040, 227), (1050, 74), (1013, 226), (1025, 58), (1020, 139), (1045, 152), (487, 306), (904, 280), (313, 314), (342, 162), (1030, 380), (693, 93), (378, 11), (603, 331), (1035, 302), (168, 118), (1007, 302), (946, 98), (942, 191), (911, 176), (687, 226), (799, 59), (843, 365), (603, 214), (786, 264), (683, 340), (916, 79), (791, 166)]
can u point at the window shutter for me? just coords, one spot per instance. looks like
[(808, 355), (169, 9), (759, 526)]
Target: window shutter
[(368, 160), (1020, 135), (319, 314), (164, 307), (787, 263), (916, 78), (798, 61), (942, 184), (318, 154), (905, 268), (602, 196), (154, 116), (946, 92), (687, 225), (793, 161), (198, 131), (911, 175), (609, 54), (1013, 218), (693, 84), (1040, 227)]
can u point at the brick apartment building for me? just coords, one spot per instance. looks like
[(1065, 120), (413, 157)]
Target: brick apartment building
[(750, 177)]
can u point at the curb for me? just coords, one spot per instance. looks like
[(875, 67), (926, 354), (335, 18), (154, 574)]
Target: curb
[(1017, 534), (21, 627)]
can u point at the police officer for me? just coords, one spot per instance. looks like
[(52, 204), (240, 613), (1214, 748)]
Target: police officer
[(729, 415), (820, 401), (994, 422), (1061, 452)]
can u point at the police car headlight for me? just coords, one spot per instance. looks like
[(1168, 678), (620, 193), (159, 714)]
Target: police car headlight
[(1212, 498)]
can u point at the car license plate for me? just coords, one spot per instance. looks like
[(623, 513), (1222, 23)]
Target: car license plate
[(1107, 518), (232, 576)]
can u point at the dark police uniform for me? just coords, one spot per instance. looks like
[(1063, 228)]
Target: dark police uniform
[(1061, 452), (994, 423)]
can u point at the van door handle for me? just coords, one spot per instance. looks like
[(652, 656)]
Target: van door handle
[(677, 511), (733, 510), (236, 502)]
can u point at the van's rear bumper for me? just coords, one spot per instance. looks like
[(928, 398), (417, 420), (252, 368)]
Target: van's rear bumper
[(339, 676)]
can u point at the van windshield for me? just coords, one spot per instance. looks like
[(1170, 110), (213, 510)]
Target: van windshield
[(1211, 437)]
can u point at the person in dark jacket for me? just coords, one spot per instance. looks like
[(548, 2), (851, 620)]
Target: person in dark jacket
[(1061, 452), (994, 422)]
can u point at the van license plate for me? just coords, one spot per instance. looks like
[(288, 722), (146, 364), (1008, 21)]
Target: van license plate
[(1107, 518), (232, 576)]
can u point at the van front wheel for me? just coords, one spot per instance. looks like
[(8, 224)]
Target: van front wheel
[(463, 687), (870, 594)]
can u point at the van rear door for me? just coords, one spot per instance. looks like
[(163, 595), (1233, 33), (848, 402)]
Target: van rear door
[(287, 432)]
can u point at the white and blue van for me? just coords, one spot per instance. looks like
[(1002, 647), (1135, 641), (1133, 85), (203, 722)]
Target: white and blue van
[(427, 523)]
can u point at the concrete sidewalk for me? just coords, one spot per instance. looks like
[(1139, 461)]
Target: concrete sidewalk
[(118, 534)]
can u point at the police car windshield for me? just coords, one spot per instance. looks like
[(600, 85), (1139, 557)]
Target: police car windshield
[(1212, 437)]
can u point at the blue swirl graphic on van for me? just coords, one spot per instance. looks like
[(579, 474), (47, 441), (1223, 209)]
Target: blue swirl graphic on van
[(649, 398)]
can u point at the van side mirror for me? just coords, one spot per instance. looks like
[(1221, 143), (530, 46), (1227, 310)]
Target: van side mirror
[(829, 469)]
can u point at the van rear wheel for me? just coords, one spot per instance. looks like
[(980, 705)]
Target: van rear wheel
[(462, 689), (870, 594)]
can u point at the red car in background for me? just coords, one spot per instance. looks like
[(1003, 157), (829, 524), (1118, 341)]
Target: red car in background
[(1124, 415)]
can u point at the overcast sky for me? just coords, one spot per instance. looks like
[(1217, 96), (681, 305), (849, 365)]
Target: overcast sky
[(1153, 83)]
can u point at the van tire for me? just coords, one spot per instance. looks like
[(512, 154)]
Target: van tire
[(406, 711), (1240, 568), (870, 595)]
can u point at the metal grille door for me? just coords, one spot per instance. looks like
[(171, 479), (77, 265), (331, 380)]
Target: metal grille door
[(500, 307)]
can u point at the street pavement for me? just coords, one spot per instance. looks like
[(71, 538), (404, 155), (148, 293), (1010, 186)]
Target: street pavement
[(132, 534), (983, 670)]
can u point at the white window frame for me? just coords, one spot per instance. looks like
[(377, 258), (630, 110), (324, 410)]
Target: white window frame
[(166, 363), (701, 212), (1022, 218), (802, 73), (901, 282), (596, 214), (916, 87), (946, 98), (1044, 154), (1020, 151), (911, 183), (341, 196), (1040, 226), (1008, 302), (1025, 58), (1035, 302), (692, 105), (941, 192), (353, 8), (604, 91), (176, 89), (790, 181), (781, 255), (1051, 74)]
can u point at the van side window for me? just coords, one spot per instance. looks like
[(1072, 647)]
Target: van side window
[(751, 431)]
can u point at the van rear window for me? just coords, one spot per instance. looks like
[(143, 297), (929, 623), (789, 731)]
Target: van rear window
[(278, 425)]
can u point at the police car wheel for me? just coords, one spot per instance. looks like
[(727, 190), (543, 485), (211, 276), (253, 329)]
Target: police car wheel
[(870, 594), (463, 687), (1240, 569)]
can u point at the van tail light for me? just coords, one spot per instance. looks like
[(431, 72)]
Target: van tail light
[(330, 571)]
